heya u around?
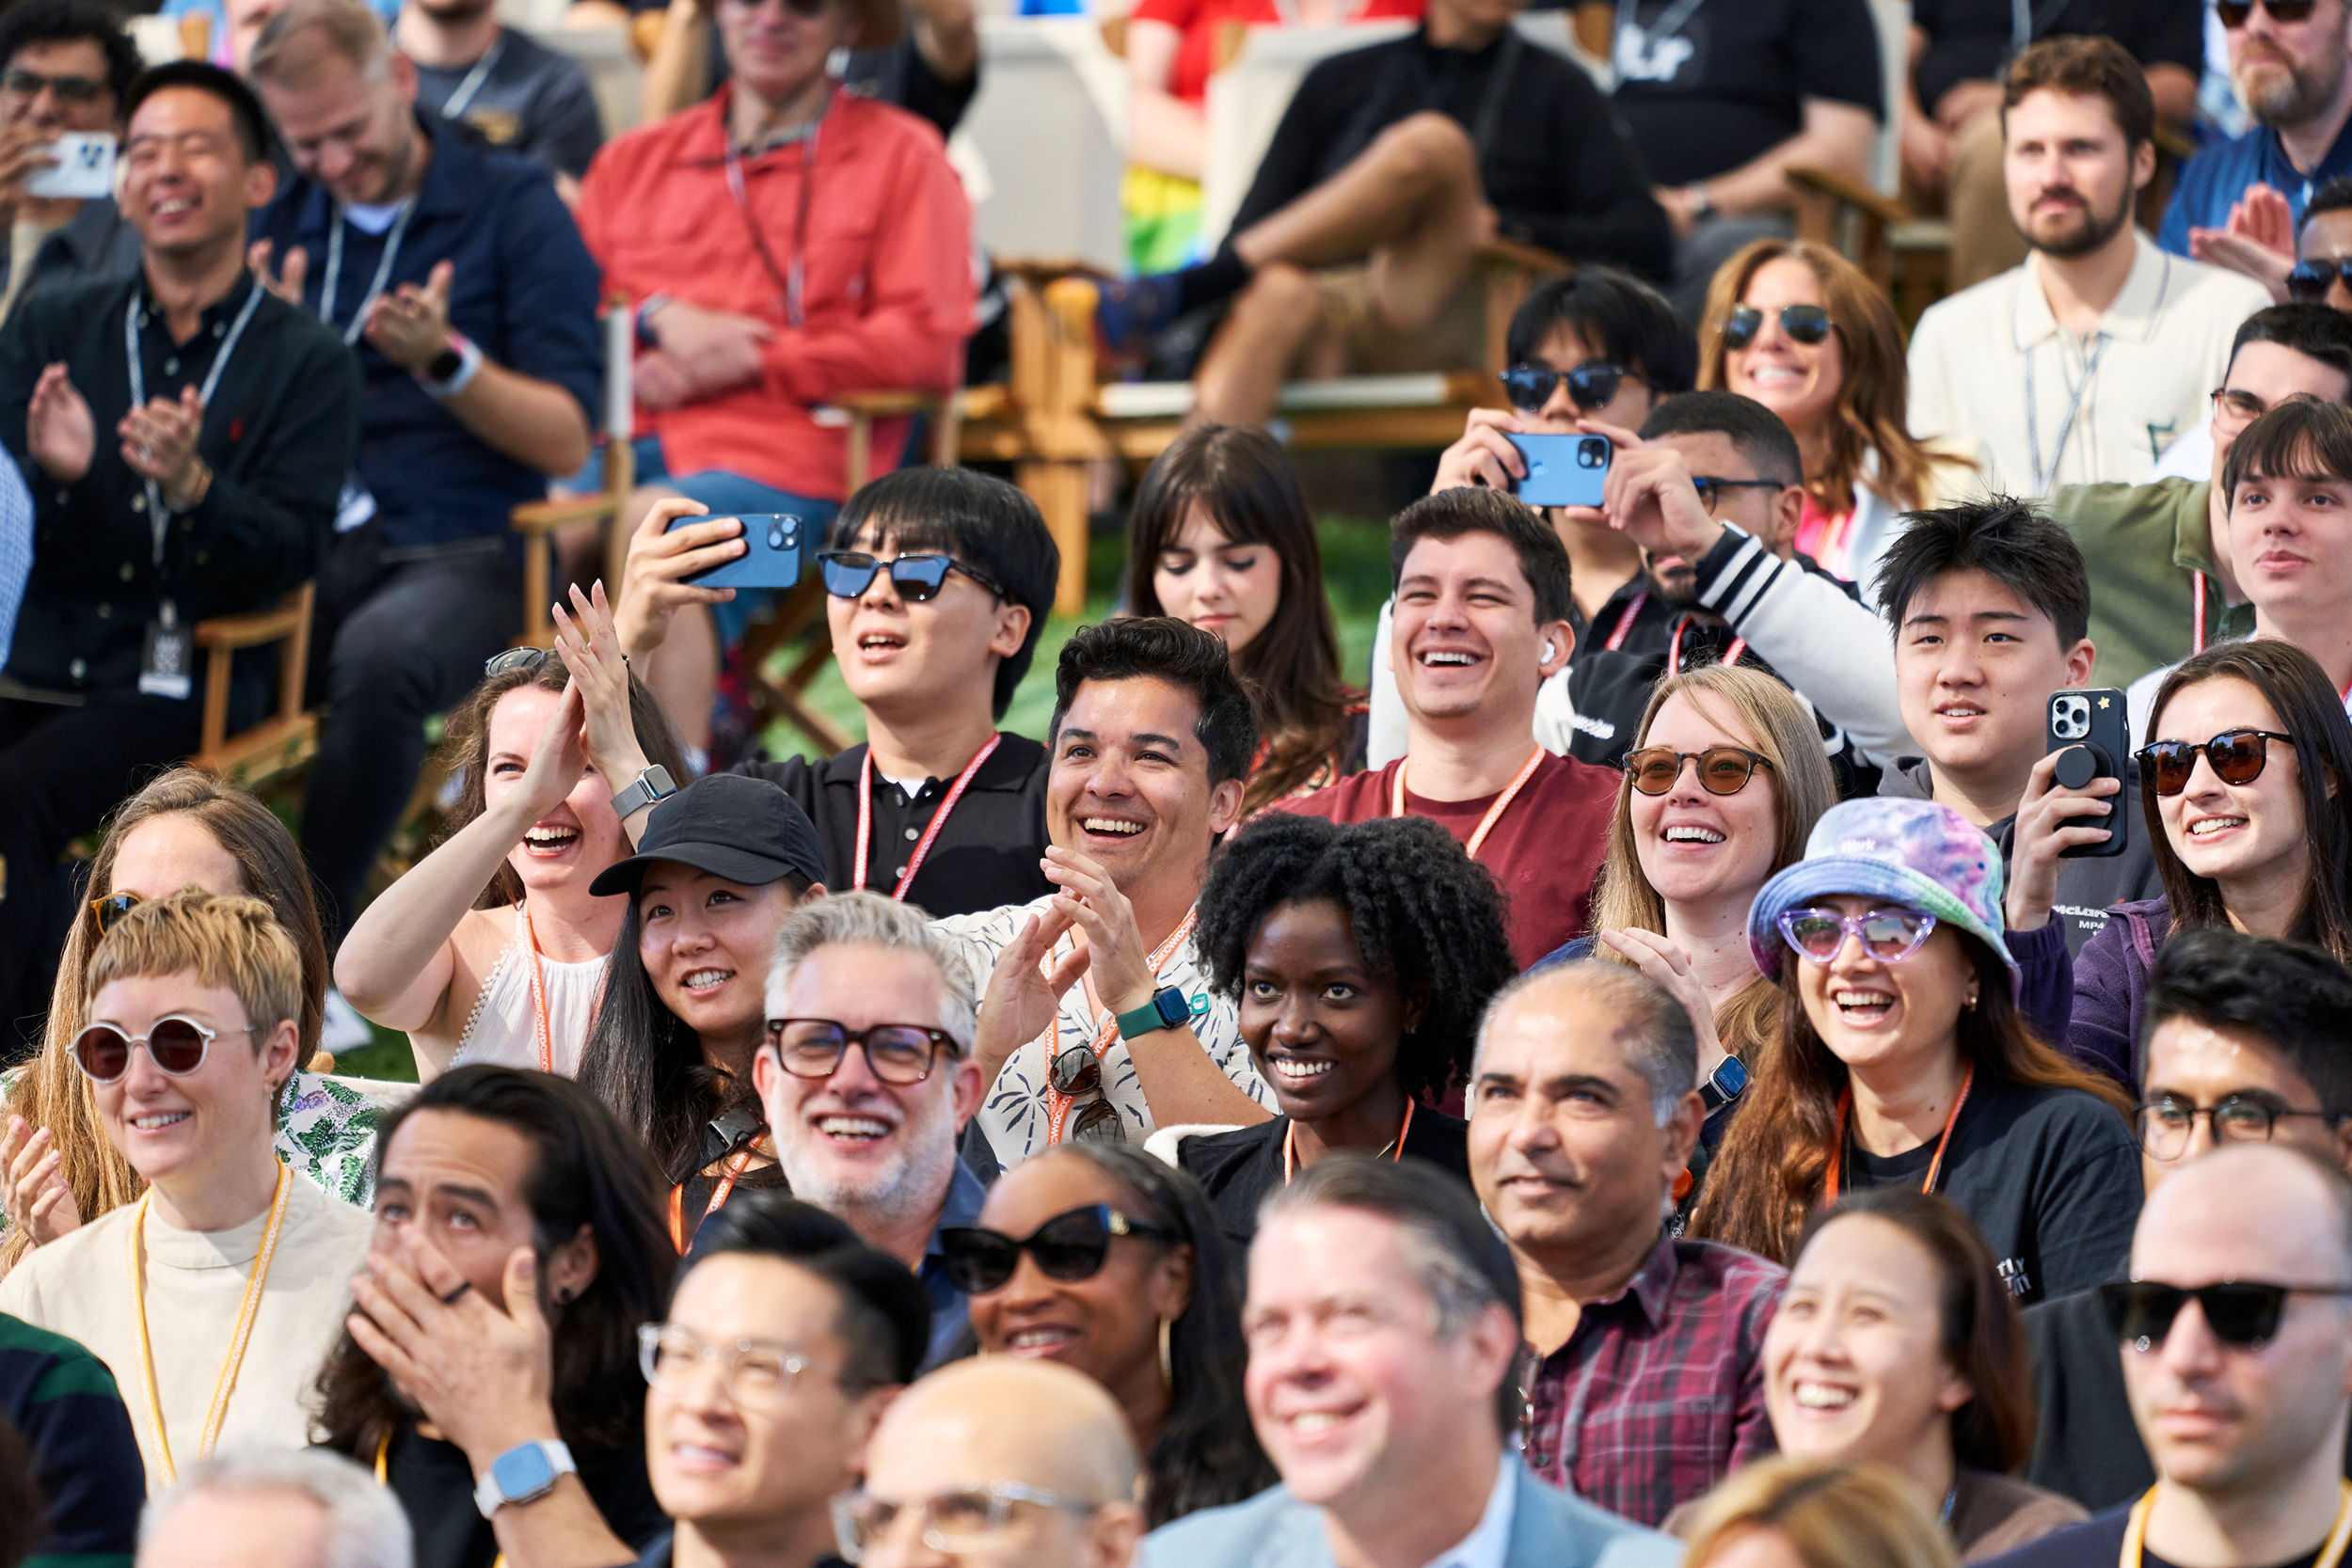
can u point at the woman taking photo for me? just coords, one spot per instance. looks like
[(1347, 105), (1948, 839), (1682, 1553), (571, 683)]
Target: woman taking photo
[(1799, 328), (492, 948), (185, 830), (1903, 1059), (1221, 538), (1360, 959), (1106, 1260), (1897, 1342)]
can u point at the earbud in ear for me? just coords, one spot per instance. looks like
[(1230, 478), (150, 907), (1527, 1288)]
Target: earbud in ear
[(1548, 651)]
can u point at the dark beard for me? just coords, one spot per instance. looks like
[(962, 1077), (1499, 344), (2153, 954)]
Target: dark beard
[(2089, 235)]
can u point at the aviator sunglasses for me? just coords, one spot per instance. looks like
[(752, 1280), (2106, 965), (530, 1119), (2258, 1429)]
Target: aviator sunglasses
[(1806, 323), (917, 578), (1591, 385), (2237, 758), (2242, 1313), (176, 1045), (1722, 769), (1890, 935), (1071, 1247)]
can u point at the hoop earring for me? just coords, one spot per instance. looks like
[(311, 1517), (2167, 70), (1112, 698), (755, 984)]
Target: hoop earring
[(1168, 1360)]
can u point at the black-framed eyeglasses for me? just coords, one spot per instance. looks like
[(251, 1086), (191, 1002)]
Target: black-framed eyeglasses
[(1071, 1247), (1591, 385), (1890, 934), (756, 1374), (900, 1053), (2243, 1313), (1722, 769), (1805, 323), (109, 911), (2166, 1121), (2233, 13), (957, 1522), (175, 1044), (1711, 489), (511, 659), (2238, 757), (70, 90), (917, 578), (2308, 282)]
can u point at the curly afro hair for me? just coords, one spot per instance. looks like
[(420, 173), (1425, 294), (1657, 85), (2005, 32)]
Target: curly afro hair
[(1423, 911)]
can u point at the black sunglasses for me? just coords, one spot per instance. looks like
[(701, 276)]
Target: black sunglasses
[(2234, 12), (1806, 323), (516, 659), (2308, 282), (1070, 1247), (2242, 1313), (917, 578), (1722, 769), (1591, 385), (2237, 758), (70, 90)]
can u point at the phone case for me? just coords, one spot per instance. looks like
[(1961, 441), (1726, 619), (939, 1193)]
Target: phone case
[(2095, 726), (1563, 470), (776, 540), (85, 166)]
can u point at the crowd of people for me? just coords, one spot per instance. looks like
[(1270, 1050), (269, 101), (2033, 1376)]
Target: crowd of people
[(1798, 1017)]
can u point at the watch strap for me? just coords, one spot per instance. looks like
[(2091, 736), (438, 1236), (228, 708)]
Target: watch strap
[(489, 1497), (468, 366), (1725, 1084), (1168, 1009), (651, 785)]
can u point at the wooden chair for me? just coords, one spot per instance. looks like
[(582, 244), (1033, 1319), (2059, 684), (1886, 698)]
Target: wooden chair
[(284, 741)]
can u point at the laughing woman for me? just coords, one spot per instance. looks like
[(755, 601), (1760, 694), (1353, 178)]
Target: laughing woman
[(1361, 958)]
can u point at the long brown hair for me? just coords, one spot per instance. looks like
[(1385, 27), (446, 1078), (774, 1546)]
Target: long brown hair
[(1291, 669), (1769, 1171), (1873, 403), (51, 1092), (1802, 788)]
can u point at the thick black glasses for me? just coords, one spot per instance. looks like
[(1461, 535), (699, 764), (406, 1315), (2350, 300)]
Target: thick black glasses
[(177, 1045), (1806, 323), (1722, 769), (2237, 758), (2233, 13), (2242, 1313), (1591, 385), (900, 1053), (1890, 935), (1071, 1247), (70, 90), (2308, 282), (1711, 489), (917, 578), (2166, 1122), (109, 911)]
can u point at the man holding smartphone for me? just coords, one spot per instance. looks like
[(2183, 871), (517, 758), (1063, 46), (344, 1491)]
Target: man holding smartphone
[(66, 68)]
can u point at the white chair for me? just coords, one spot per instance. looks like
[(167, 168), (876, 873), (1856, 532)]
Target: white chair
[(616, 74), (1043, 143)]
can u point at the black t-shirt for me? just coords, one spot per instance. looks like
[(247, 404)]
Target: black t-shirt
[(1238, 1168), (2098, 1542), (531, 102), (1970, 40), (435, 1485), (1729, 83)]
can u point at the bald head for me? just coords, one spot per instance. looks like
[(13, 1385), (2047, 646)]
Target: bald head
[(2196, 1219)]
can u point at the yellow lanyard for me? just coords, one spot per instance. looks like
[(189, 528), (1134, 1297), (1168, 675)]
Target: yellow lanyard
[(245, 1314), (384, 1477), (2136, 1532)]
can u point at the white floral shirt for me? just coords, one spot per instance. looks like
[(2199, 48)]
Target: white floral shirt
[(1013, 1114)]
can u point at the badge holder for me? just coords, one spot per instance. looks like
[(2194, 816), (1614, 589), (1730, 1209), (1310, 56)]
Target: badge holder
[(164, 670)]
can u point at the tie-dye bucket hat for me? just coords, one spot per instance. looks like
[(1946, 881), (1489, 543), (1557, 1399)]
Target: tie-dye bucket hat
[(1914, 852)]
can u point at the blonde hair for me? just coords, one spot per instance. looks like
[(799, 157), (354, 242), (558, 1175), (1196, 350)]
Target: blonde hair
[(1833, 1515), (1802, 788), (285, 54), (233, 943)]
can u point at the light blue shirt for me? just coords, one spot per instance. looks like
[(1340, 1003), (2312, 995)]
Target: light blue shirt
[(1485, 1546)]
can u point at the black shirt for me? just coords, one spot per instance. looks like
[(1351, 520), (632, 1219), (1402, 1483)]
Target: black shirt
[(1971, 41), (1238, 1168), (2098, 1542), (435, 1485), (1556, 166), (533, 102), (279, 435), (1729, 84), (986, 854), (1636, 619)]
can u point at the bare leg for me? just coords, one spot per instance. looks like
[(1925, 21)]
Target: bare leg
[(1271, 323)]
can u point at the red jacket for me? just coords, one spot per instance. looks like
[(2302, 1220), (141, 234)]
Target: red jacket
[(888, 299)]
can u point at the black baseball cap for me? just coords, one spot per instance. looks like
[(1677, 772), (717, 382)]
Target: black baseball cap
[(743, 828)]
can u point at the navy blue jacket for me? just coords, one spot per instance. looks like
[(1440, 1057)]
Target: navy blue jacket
[(2219, 173)]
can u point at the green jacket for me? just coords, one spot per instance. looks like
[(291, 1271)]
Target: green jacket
[(2145, 546)]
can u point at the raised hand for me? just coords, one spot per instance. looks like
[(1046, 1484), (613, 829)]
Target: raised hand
[(2040, 841), (481, 1374), (159, 443), (287, 285), (411, 325), (1665, 962), (660, 557), (34, 1193), (1483, 455), (1024, 991), (59, 430), (1122, 971), (591, 650)]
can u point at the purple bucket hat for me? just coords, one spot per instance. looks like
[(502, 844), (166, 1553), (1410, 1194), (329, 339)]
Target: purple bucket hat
[(1916, 852)]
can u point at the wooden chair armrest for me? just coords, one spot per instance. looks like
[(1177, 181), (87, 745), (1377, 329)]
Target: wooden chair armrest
[(1500, 252), (887, 403), (232, 632), (1851, 191), (1039, 269), (2173, 142), (546, 516)]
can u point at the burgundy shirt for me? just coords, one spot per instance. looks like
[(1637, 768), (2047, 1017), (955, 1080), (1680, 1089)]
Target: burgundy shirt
[(1660, 1392), (1544, 849)]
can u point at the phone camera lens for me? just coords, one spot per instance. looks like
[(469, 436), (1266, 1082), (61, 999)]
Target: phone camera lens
[(1592, 453)]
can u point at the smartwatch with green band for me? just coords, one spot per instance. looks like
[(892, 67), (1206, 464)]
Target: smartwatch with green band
[(1168, 1009)]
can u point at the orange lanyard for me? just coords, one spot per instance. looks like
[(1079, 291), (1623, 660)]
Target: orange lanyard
[(1290, 1143), (1837, 1149), (1494, 813), (1674, 650), (1625, 622), (1058, 1105), (718, 1197), (538, 986), (939, 818)]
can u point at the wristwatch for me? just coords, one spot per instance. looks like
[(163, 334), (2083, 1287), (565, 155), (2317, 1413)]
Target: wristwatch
[(1702, 204), (1168, 1009), (1725, 1084), (652, 785), (523, 1474), (451, 371)]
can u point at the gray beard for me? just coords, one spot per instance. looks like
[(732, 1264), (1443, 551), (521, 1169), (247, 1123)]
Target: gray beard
[(2302, 98), (912, 1182)]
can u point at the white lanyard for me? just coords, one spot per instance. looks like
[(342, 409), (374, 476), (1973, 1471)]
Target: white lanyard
[(1666, 26), (376, 284), (158, 516), (474, 78), (2042, 477)]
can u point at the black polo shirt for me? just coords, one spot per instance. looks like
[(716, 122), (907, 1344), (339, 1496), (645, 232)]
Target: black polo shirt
[(435, 1485), (1970, 40), (988, 854)]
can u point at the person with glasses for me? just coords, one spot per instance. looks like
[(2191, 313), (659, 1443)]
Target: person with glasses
[(66, 67), (2235, 1341), (215, 1296), (866, 1075), (784, 1342), (2245, 1044), (1905, 1058), (997, 1464), (1108, 1260), (487, 1372), (2082, 365), (492, 948), (2323, 243)]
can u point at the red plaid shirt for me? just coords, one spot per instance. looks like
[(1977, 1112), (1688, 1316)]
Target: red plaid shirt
[(1660, 1392)]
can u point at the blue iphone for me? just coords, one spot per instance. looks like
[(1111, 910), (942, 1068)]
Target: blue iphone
[(774, 542), (1561, 470)]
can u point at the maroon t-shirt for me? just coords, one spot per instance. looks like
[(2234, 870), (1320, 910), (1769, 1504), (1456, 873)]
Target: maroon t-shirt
[(1546, 849)]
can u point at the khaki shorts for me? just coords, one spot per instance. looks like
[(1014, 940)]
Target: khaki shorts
[(1456, 341)]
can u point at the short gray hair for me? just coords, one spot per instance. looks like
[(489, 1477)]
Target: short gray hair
[(365, 1524), (869, 920), (1659, 1043)]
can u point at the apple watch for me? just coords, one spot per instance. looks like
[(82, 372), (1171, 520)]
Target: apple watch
[(1168, 1009), (453, 370), (652, 785), (523, 1474)]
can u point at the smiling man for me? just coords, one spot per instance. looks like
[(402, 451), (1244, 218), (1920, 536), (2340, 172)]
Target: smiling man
[(1649, 1379), (1481, 621), (1098, 1021)]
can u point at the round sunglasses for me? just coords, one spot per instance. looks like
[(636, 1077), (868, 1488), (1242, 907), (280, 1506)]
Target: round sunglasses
[(1806, 323), (1890, 934), (1076, 1073), (1722, 769), (1071, 1247), (2243, 1313), (1591, 385), (917, 578), (175, 1044), (2237, 758)]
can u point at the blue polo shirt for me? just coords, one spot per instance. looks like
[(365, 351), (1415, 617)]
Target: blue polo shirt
[(524, 290), (965, 1197), (2218, 174)]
